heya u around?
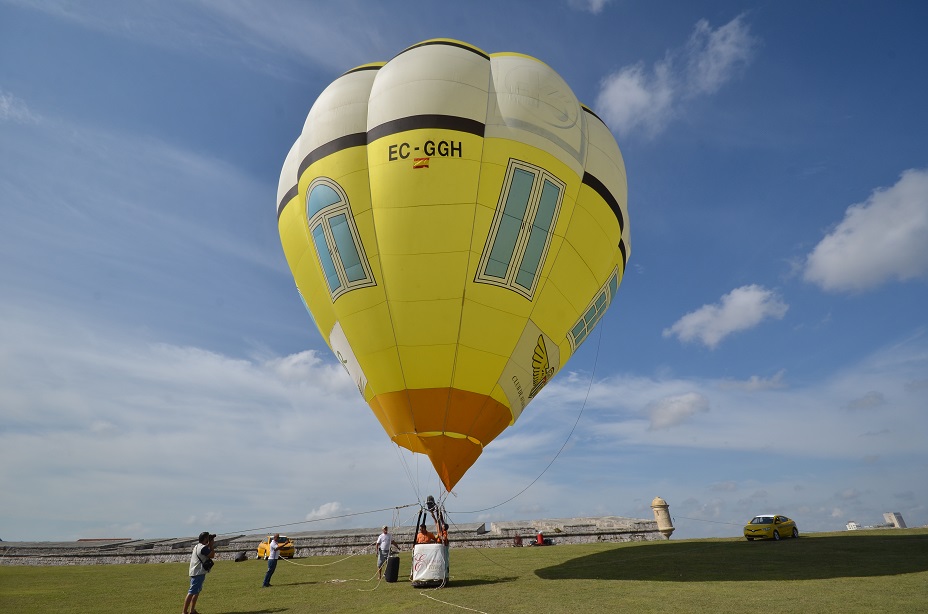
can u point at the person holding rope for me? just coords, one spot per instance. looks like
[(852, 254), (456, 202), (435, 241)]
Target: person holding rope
[(384, 543), (272, 558)]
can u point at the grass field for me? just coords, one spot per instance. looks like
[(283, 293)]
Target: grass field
[(862, 571)]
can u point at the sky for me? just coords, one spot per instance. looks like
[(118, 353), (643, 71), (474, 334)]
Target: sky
[(767, 351)]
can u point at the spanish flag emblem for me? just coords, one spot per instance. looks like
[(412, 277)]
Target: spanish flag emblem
[(420, 162)]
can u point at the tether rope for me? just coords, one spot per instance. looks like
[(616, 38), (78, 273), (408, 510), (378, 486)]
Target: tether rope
[(290, 524), (734, 524), (412, 482), (451, 604), (569, 435), (324, 564)]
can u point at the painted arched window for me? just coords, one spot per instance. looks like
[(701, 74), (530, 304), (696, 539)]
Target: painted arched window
[(522, 227), (335, 236)]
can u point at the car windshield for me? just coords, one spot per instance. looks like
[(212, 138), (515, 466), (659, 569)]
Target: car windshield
[(762, 520)]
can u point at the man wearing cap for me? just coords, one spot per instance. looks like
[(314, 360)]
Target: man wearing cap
[(384, 543), (272, 558), (202, 552)]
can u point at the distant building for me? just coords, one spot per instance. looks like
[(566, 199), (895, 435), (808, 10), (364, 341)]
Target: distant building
[(893, 520)]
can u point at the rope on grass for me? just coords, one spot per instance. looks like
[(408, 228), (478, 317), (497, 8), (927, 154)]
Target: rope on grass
[(368, 590), (322, 564), (365, 590), (454, 605)]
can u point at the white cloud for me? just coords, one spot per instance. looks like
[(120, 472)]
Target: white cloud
[(741, 309), (326, 511), (879, 240), (871, 400), (89, 415), (716, 56), (253, 32), (675, 410), (13, 109), (255, 430), (756, 382), (593, 6), (848, 494), (636, 98)]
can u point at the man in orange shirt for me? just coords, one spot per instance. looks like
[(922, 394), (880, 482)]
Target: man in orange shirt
[(424, 537)]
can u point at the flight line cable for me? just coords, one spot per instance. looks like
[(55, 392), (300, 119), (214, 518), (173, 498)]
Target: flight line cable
[(569, 435), (290, 524), (734, 524), (405, 464)]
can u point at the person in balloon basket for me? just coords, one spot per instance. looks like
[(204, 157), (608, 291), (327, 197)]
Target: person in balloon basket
[(425, 536), (272, 558), (384, 544), (441, 533), (201, 561)]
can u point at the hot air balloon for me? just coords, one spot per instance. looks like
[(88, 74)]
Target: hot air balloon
[(456, 225)]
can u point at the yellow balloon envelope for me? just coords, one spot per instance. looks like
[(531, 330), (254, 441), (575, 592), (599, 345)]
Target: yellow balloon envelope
[(456, 224)]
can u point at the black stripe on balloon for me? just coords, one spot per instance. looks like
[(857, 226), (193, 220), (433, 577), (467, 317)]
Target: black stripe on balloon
[(607, 196), (419, 122), (449, 44), (590, 111), (624, 255), (358, 139), (290, 195), (362, 68)]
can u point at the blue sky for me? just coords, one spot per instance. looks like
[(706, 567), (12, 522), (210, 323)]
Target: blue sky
[(768, 351)]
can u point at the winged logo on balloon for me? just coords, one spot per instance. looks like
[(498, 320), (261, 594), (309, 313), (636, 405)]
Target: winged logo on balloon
[(541, 369)]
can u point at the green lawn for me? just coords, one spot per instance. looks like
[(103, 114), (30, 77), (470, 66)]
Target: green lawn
[(861, 571)]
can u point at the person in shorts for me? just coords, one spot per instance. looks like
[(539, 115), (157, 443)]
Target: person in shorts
[(384, 543), (204, 550)]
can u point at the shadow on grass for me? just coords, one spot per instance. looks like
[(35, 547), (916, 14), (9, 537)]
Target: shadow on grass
[(806, 558), (453, 583), (263, 611), (480, 581)]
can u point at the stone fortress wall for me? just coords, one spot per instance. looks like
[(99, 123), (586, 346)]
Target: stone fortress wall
[(613, 529)]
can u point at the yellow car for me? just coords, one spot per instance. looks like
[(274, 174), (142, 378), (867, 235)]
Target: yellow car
[(770, 526), (287, 549)]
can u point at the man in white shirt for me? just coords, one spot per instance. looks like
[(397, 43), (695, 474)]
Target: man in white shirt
[(202, 552), (384, 543), (272, 559)]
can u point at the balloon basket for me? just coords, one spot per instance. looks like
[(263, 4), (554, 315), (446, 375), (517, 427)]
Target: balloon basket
[(429, 566)]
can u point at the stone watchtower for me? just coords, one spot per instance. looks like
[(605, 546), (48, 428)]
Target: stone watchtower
[(662, 516)]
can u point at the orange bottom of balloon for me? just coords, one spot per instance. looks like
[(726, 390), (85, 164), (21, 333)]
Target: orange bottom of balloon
[(451, 426)]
